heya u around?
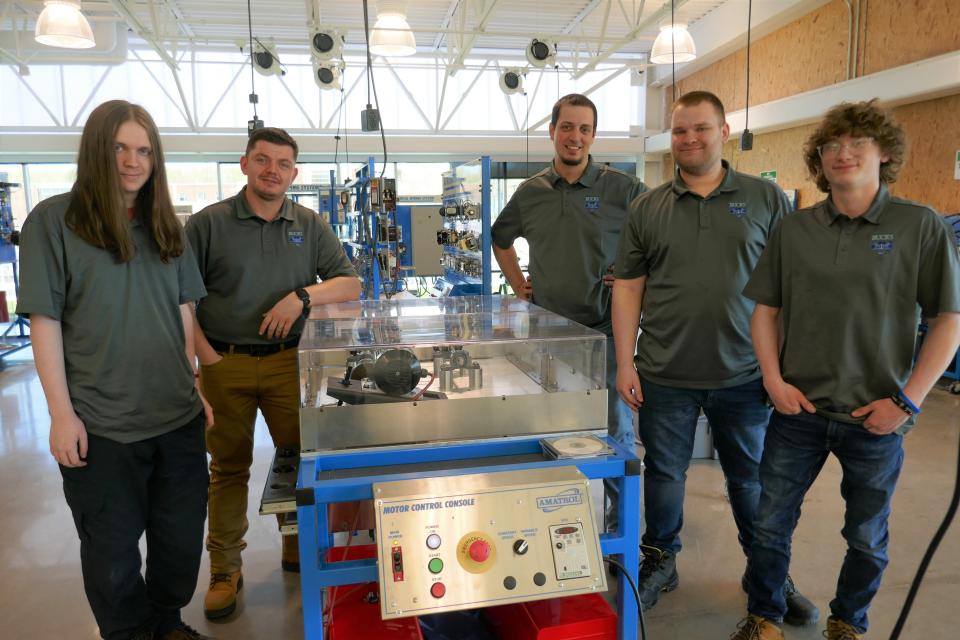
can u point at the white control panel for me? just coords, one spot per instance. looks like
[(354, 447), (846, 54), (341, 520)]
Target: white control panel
[(468, 541)]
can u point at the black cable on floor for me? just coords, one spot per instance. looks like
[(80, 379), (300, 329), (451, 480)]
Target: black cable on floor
[(636, 594), (928, 556)]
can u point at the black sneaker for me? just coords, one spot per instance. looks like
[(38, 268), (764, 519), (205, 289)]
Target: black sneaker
[(185, 632), (800, 611), (658, 573)]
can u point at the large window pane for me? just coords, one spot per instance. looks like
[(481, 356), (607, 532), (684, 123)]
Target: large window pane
[(193, 184)]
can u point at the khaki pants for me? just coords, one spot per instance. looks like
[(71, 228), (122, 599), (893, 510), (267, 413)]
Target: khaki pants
[(236, 387)]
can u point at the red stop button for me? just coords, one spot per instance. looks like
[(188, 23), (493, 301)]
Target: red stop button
[(437, 590), (479, 551)]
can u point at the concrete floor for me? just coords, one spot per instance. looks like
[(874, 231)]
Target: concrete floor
[(42, 594)]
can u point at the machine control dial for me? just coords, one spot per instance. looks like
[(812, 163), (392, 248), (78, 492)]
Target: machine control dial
[(520, 547), (433, 541), (479, 551), (438, 590)]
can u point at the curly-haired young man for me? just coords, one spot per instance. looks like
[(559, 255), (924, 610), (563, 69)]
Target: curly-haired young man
[(839, 291)]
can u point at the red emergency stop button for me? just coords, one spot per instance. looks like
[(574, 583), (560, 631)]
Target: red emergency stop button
[(479, 550), (438, 590)]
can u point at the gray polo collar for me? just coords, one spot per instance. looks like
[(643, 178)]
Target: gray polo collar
[(729, 183), (588, 179), (243, 210), (826, 212)]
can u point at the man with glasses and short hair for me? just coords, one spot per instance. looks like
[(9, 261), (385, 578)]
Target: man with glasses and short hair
[(839, 293)]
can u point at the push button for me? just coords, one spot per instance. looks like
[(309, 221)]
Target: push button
[(539, 579), (433, 541), (479, 551), (435, 565), (438, 590)]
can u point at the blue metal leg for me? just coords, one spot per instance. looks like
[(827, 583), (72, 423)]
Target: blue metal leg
[(310, 542)]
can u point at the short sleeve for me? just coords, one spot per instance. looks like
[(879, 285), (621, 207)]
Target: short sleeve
[(509, 224), (938, 279), (188, 276), (43, 281), (766, 285), (332, 261), (636, 189), (197, 230), (632, 261)]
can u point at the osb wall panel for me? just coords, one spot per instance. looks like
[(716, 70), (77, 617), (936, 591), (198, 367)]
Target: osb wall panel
[(898, 32), (801, 56), (933, 133)]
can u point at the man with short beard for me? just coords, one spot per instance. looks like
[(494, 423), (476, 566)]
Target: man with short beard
[(260, 255), (686, 252)]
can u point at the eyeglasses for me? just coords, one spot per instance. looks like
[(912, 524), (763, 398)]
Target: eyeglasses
[(855, 147)]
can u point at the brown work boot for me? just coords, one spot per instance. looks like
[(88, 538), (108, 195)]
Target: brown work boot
[(757, 628), (837, 629), (221, 598), (290, 560)]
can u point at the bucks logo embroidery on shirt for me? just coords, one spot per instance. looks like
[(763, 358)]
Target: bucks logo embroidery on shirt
[(295, 237), (592, 203), (881, 243), (738, 209)]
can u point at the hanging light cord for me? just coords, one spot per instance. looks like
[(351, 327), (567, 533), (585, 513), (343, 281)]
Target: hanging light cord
[(746, 113), (372, 81), (253, 89), (673, 52)]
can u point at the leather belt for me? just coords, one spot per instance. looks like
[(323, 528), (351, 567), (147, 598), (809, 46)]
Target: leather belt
[(255, 350)]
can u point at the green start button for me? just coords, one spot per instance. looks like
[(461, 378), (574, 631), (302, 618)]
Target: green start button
[(435, 565)]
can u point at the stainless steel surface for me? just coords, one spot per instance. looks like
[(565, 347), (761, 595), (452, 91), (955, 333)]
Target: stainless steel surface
[(460, 542), (440, 420)]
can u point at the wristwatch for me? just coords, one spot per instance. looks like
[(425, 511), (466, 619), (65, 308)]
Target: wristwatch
[(305, 299)]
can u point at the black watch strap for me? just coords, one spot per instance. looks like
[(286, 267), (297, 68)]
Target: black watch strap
[(304, 298)]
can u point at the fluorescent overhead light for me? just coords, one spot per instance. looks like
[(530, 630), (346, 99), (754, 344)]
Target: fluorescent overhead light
[(62, 25), (673, 44), (391, 35)]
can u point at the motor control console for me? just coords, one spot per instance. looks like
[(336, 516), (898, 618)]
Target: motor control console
[(460, 542)]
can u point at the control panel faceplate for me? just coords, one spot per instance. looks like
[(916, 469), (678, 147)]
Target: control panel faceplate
[(460, 542)]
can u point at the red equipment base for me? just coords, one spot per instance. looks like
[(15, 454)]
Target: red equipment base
[(585, 617)]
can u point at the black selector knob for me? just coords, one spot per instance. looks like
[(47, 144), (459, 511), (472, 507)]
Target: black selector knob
[(520, 547), (539, 579)]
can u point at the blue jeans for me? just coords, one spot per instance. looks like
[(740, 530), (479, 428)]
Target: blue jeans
[(794, 452), (668, 422), (620, 428), (619, 415)]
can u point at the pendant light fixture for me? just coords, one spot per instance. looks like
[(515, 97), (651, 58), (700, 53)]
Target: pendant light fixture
[(391, 35), (673, 44), (62, 25)]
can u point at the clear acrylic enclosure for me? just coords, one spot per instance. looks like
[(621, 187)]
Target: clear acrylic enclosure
[(387, 372)]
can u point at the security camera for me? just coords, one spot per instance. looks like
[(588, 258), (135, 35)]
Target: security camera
[(265, 60), (326, 44), (326, 74), (540, 54), (511, 81)]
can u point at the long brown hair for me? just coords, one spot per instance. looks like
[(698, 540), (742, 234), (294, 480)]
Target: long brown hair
[(96, 212)]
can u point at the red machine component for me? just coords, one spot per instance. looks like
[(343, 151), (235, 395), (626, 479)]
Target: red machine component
[(583, 617), (355, 608), (479, 551)]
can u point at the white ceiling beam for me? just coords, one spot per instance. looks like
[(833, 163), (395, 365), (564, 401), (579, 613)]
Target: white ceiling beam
[(580, 17), (482, 14), (654, 19), (451, 8), (120, 6)]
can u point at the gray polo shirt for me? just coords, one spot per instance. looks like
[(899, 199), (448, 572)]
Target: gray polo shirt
[(697, 254), (572, 230), (249, 264), (851, 292), (123, 340)]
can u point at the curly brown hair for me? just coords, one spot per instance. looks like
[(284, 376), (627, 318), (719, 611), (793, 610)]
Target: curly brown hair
[(858, 120)]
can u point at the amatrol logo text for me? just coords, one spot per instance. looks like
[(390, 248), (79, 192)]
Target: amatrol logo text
[(560, 500)]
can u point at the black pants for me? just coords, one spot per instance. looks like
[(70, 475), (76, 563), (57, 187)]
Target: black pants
[(159, 486)]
